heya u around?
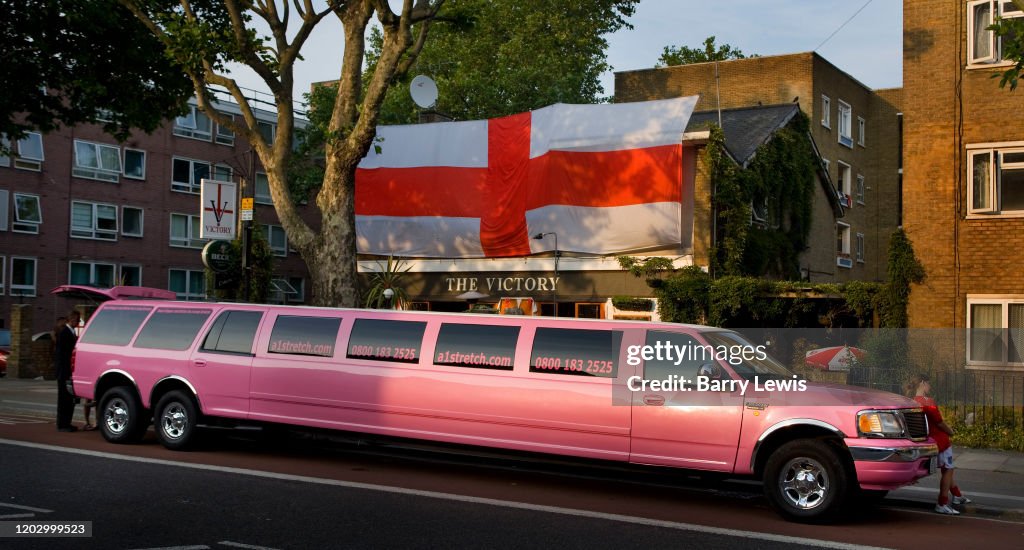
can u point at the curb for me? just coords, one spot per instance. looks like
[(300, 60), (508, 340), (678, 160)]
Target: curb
[(967, 510)]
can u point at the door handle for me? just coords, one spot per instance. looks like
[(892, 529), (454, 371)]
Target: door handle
[(199, 362), (655, 400)]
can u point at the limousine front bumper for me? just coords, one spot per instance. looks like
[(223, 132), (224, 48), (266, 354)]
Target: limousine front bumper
[(893, 464)]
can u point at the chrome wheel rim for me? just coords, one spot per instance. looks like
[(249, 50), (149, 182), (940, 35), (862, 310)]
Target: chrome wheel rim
[(115, 416), (804, 483), (174, 421)]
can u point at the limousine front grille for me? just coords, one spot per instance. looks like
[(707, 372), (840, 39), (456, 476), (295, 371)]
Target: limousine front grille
[(917, 424)]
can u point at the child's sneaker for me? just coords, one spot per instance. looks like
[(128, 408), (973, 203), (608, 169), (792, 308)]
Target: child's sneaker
[(945, 509), (961, 500)]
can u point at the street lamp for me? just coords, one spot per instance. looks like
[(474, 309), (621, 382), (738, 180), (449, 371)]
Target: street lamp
[(554, 287), (388, 294)]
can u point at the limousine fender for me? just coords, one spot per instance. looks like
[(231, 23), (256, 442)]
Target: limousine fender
[(121, 416), (176, 411), (789, 430)]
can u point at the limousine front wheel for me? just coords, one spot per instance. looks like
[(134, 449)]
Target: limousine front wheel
[(120, 416), (175, 420), (805, 480)]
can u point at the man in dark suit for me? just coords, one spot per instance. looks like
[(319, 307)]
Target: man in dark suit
[(66, 340)]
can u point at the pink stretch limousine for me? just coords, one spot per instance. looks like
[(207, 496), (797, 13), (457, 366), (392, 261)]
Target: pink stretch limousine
[(646, 393)]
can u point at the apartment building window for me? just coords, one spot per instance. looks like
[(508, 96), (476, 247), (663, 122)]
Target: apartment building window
[(281, 291), (845, 124), (131, 221), (5, 201), (28, 214), (23, 276), (983, 46), (261, 189), (3, 273), (277, 239), (861, 191), (131, 275), (860, 248), (135, 164), (185, 231), (188, 284), (225, 135), (5, 148), (267, 130), (187, 174), (299, 284), (194, 124), (997, 180), (844, 183), (843, 245), (91, 273), (995, 328), (826, 111), (861, 123), (30, 152), (93, 221), (97, 161)]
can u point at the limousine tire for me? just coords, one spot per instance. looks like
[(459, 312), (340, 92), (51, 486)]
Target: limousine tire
[(120, 416), (175, 420), (806, 480)]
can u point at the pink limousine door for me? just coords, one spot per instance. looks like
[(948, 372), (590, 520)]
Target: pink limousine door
[(676, 423), (221, 366)]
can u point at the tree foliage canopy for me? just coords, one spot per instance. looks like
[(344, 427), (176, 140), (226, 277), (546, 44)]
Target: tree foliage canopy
[(97, 62), (684, 55), (493, 58), (1012, 33)]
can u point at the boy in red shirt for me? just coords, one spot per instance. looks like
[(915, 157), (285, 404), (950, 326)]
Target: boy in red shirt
[(919, 388)]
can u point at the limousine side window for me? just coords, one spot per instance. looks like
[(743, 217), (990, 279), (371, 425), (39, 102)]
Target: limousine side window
[(580, 352), (115, 325), (688, 366), (381, 340), (172, 328), (233, 332), (294, 335), (476, 346)]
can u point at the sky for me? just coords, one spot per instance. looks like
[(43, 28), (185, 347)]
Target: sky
[(869, 47)]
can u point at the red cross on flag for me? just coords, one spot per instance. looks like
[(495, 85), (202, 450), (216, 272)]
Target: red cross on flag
[(605, 178)]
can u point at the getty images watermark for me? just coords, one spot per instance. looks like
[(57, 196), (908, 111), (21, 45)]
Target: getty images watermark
[(735, 355)]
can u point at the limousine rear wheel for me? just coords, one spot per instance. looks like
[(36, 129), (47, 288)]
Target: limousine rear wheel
[(806, 480), (175, 420), (120, 416)]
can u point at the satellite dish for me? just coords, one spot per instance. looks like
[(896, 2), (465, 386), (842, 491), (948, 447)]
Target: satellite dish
[(423, 91)]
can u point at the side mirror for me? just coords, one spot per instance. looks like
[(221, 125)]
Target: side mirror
[(711, 371)]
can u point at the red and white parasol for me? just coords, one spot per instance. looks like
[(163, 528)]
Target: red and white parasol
[(836, 358)]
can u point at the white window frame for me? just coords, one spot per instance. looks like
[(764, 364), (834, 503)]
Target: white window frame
[(93, 280), (191, 240), (859, 249), (27, 291), (95, 232), (826, 111), (861, 130), (844, 183), (225, 135), (142, 221), (257, 197), (1004, 301), (300, 289), (844, 251), (189, 273), (281, 289), (845, 119), (22, 161), (996, 8), (220, 172), (268, 231), (992, 185), (3, 273), (860, 192), (99, 172), (124, 163), (28, 226), (120, 273), (188, 125)]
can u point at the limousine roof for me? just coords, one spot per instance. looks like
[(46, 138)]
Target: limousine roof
[(434, 313), (99, 295)]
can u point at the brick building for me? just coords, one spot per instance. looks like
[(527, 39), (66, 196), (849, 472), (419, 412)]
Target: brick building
[(856, 131), (78, 207), (964, 179)]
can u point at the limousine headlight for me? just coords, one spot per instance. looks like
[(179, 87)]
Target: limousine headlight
[(879, 424)]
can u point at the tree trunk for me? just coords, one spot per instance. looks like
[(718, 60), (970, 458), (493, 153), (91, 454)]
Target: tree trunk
[(332, 257)]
